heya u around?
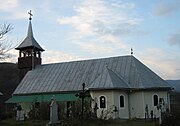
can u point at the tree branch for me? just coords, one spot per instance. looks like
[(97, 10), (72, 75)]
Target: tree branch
[(4, 45), (5, 28)]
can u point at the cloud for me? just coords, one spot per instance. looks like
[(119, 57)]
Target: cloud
[(97, 22), (49, 56), (162, 62), (122, 5), (166, 8), (95, 48), (53, 56), (7, 5), (174, 39), (14, 8), (13, 56)]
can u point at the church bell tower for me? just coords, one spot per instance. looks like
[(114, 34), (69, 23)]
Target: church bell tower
[(29, 51)]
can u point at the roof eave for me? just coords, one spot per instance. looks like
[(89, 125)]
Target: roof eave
[(24, 48), (152, 89), (135, 89), (40, 93), (97, 89)]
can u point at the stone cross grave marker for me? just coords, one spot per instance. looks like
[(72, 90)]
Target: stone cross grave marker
[(53, 112)]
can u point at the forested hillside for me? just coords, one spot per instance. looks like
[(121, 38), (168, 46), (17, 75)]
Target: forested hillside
[(9, 79), (175, 84)]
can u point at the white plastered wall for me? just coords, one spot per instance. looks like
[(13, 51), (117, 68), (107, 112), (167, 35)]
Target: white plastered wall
[(139, 100), (112, 100), (123, 112), (149, 100), (137, 105), (103, 112)]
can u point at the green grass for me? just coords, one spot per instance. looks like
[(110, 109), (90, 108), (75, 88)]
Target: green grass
[(11, 122), (72, 122), (119, 123)]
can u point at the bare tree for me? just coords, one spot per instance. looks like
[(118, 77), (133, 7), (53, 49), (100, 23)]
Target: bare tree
[(4, 44)]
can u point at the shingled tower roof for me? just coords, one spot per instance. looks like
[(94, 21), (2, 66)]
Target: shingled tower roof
[(29, 41)]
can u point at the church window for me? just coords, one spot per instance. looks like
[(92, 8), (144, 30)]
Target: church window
[(155, 100), (102, 102), (121, 101)]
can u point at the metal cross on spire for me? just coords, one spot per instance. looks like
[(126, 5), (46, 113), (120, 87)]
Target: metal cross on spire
[(30, 15)]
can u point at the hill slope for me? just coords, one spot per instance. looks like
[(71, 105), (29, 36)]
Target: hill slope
[(175, 84), (9, 79)]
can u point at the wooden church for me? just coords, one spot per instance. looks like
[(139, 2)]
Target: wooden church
[(120, 87)]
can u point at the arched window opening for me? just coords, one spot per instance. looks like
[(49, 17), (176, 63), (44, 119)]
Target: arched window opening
[(102, 102), (121, 101), (155, 99)]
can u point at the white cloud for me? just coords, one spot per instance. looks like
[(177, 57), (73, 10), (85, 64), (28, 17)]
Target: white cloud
[(53, 56), (49, 56), (162, 62), (101, 22), (166, 8), (14, 8), (95, 48), (6, 5), (119, 4), (13, 56)]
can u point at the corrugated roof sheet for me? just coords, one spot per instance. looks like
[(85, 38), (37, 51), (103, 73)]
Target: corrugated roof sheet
[(123, 72)]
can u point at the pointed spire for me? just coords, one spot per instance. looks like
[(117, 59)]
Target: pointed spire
[(29, 41), (30, 31)]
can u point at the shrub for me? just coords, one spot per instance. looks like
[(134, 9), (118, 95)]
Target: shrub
[(171, 119)]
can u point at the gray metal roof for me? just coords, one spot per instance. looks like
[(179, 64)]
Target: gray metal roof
[(123, 72), (29, 41)]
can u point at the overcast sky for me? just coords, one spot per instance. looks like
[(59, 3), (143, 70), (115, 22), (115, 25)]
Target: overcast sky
[(88, 29)]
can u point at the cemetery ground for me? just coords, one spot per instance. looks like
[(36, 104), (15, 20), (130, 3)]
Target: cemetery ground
[(74, 122)]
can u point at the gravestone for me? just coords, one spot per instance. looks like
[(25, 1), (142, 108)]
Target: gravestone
[(53, 112), (19, 113)]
